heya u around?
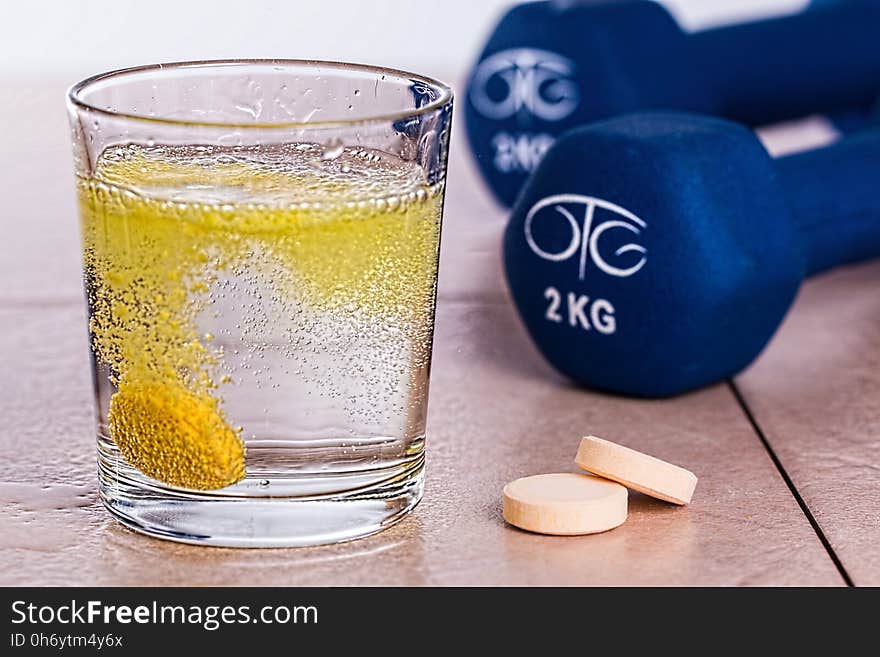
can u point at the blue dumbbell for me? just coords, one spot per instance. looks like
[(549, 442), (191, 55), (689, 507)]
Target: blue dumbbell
[(551, 66), (656, 253)]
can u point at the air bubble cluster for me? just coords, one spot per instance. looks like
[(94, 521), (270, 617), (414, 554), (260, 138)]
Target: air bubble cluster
[(315, 274)]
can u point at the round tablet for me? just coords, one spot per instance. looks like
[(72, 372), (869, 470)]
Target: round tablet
[(635, 470), (564, 504)]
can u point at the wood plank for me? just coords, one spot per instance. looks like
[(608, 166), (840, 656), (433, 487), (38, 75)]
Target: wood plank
[(497, 412), (815, 392)]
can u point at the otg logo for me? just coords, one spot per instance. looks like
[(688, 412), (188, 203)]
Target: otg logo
[(525, 79), (586, 235)]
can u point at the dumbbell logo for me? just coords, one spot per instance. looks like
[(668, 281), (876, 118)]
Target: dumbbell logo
[(585, 243), (511, 82)]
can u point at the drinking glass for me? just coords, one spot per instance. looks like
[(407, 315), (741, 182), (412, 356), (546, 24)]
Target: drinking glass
[(260, 249)]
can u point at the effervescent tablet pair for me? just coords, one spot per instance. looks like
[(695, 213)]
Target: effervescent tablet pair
[(568, 504)]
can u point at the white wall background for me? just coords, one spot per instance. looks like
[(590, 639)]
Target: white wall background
[(46, 45), (74, 38)]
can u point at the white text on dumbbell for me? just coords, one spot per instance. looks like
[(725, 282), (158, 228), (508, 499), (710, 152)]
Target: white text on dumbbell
[(525, 80), (519, 152), (580, 312), (583, 236)]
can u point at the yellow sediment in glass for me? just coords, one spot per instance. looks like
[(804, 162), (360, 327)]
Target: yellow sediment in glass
[(161, 226)]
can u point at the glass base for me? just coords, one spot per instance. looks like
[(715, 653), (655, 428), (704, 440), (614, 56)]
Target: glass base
[(250, 521)]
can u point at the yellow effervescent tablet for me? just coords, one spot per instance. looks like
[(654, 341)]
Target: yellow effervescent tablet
[(564, 504), (636, 470)]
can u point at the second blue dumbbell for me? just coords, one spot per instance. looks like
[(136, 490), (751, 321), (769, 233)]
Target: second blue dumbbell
[(552, 66)]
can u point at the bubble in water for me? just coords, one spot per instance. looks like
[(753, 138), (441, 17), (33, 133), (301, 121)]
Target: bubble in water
[(326, 268), (332, 149)]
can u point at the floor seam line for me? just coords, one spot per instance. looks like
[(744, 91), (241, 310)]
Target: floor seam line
[(805, 509)]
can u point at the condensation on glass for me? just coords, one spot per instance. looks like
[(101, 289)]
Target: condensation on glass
[(260, 249)]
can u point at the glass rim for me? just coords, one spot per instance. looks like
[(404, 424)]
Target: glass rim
[(444, 93)]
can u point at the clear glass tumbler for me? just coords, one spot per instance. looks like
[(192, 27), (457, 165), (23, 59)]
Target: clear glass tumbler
[(260, 248)]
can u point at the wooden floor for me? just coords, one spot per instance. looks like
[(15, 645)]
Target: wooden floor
[(788, 454)]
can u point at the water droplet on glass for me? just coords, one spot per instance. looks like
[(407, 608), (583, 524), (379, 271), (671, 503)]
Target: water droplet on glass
[(264, 482), (357, 92)]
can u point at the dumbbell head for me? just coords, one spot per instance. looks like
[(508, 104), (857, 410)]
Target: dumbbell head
[(653, 254), (551, 66)]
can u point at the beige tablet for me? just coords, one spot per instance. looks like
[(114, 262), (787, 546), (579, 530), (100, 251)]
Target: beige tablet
[(564, 504), (636, 470)]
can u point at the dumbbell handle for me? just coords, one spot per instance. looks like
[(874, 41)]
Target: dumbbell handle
[(766, 71), (834, 195)]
